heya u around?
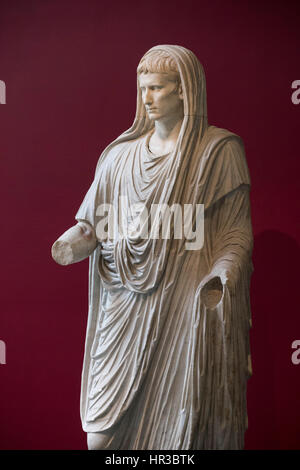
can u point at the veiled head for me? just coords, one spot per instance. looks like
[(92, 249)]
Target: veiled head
[(181, 66)]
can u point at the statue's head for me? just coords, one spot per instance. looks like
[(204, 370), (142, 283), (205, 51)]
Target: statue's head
[(160, 85)]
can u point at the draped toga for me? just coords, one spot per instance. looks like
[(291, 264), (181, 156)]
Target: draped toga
[(162, 370)]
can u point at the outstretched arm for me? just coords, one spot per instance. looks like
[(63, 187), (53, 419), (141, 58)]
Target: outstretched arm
[(75, 244)]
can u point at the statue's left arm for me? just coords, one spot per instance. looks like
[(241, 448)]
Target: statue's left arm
[(232, 244)]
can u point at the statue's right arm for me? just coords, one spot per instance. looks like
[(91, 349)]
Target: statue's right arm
[(75, 244)]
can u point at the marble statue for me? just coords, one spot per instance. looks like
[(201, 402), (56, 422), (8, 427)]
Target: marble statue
[(167, 346)]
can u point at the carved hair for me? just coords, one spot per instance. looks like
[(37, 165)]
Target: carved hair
[(158, 62)]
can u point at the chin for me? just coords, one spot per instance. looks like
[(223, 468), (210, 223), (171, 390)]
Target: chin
[(152, 117)]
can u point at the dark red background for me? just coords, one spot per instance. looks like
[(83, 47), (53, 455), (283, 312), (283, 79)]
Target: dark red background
[(69, 68)]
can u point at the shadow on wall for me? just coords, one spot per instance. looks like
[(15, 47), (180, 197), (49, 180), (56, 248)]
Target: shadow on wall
[(273, 404)]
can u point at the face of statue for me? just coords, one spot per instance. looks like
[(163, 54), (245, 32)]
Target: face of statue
[(161, 94)]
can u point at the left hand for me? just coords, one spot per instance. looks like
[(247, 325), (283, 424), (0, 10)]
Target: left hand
[(212, 287)]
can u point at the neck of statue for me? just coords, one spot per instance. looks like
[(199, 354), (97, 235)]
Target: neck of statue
[(165, 135)]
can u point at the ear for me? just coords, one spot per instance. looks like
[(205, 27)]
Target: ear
[(180, 92)]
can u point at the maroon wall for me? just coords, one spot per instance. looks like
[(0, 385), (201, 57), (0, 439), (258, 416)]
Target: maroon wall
[(69, 69)]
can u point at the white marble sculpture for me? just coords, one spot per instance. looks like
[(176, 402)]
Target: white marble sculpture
[(167, 347)]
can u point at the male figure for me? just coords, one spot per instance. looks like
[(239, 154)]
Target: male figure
[(167, 352)]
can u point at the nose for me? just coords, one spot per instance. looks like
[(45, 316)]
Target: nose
[(147, 96)]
